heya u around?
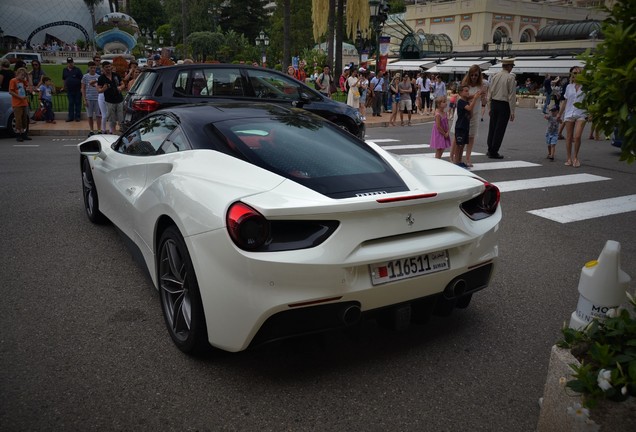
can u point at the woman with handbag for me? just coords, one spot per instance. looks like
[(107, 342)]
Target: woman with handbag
[(353, 96)]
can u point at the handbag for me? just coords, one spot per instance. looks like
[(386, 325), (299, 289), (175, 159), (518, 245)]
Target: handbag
[(38, 115), (332, 88), (356, 94)]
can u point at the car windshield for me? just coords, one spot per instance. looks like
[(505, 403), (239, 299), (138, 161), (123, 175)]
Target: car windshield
[(311, 152)]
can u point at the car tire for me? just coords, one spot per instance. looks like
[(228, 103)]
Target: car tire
[(89, 192), (179, 294), (11, 128)]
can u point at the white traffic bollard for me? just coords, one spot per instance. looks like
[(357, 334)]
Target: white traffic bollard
[(602, 286)]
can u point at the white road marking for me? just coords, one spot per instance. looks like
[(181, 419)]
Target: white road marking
[(502, 165), (446, 155), (406, 147), (537, 183), (381, 140), (588, 210)]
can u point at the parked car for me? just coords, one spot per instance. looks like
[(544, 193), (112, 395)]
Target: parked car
[(26, 57), (179, 84), (7, 119), (258, 222), (142, 62)]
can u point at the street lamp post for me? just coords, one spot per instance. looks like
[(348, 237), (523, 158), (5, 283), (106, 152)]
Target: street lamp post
[(379, 11), (360, 46), (1, 38), (263, 41), (503, 46)]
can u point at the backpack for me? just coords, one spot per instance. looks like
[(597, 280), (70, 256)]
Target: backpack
[(320, 79)]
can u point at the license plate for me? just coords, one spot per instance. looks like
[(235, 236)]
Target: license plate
[(405, 268)]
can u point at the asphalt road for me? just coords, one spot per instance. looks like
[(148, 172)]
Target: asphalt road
[(84, 347)]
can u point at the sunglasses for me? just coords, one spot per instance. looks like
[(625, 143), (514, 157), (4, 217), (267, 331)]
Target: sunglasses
[(474, 75)]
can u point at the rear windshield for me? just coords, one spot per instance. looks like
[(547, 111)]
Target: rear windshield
[(143, 84), (311, 152)]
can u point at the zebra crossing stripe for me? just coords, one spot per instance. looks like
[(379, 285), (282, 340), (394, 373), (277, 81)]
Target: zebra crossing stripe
[(588, 210), (381, 140), (502, 165), (537, 183), (405, 147)]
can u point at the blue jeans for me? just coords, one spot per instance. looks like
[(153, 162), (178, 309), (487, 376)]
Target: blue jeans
[(74, 105)]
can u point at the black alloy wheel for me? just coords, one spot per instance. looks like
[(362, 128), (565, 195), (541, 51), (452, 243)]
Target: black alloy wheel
[(179, 291), (91, 201)]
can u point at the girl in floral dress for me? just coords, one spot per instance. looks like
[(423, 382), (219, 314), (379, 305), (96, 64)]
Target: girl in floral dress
[(440, 135)]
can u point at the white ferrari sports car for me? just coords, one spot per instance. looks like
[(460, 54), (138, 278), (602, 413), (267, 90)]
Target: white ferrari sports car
[(258, 222)]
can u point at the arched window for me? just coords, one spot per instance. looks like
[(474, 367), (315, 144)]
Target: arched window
[(500, 34), (526, 36)]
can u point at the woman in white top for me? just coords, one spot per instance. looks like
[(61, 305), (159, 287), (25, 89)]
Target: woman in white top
[(573, 117), (363, 86), (353, 97), (475, 83)]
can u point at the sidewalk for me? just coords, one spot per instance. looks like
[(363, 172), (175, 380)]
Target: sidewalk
[(62, 128)]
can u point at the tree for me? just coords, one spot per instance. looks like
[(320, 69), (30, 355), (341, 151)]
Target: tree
[(286, 32), (609, 77), (149, 14), (205, 44), (243, 16), (90, 4)]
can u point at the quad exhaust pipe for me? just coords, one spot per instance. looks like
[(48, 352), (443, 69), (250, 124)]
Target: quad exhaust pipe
[(350, 315), (455, 289)]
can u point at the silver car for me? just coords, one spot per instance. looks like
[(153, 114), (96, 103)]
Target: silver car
[(7, 119)]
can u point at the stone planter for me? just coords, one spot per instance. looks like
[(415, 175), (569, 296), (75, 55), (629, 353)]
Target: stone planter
[(611, 416), (526, 102)]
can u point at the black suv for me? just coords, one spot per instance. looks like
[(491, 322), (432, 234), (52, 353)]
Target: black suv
[(188, 83)]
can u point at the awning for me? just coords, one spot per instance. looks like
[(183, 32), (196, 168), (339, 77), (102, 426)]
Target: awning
[(460, 65), (409, 64), (541, 65)]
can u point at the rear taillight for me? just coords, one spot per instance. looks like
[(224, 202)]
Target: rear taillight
[(250, 231), (248, 228), (145, 105), (484, 204)]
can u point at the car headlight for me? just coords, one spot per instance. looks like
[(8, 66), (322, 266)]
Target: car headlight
[(358, 116)]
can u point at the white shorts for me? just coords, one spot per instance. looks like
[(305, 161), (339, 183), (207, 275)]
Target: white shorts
[(406, 103), (575, 118)]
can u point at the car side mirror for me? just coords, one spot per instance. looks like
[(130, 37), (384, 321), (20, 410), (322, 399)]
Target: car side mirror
[(92, 148)]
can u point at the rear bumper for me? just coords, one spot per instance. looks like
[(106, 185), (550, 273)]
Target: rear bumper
[(253, 298), (332, 316)]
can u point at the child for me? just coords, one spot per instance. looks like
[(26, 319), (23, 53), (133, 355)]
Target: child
[(46, 89), (440, 135), (462, 126), (20, 103), (552, 134)]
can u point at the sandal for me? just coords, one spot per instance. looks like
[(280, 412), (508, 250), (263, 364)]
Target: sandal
[(469, 165), (568, 163), (576, 163)]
